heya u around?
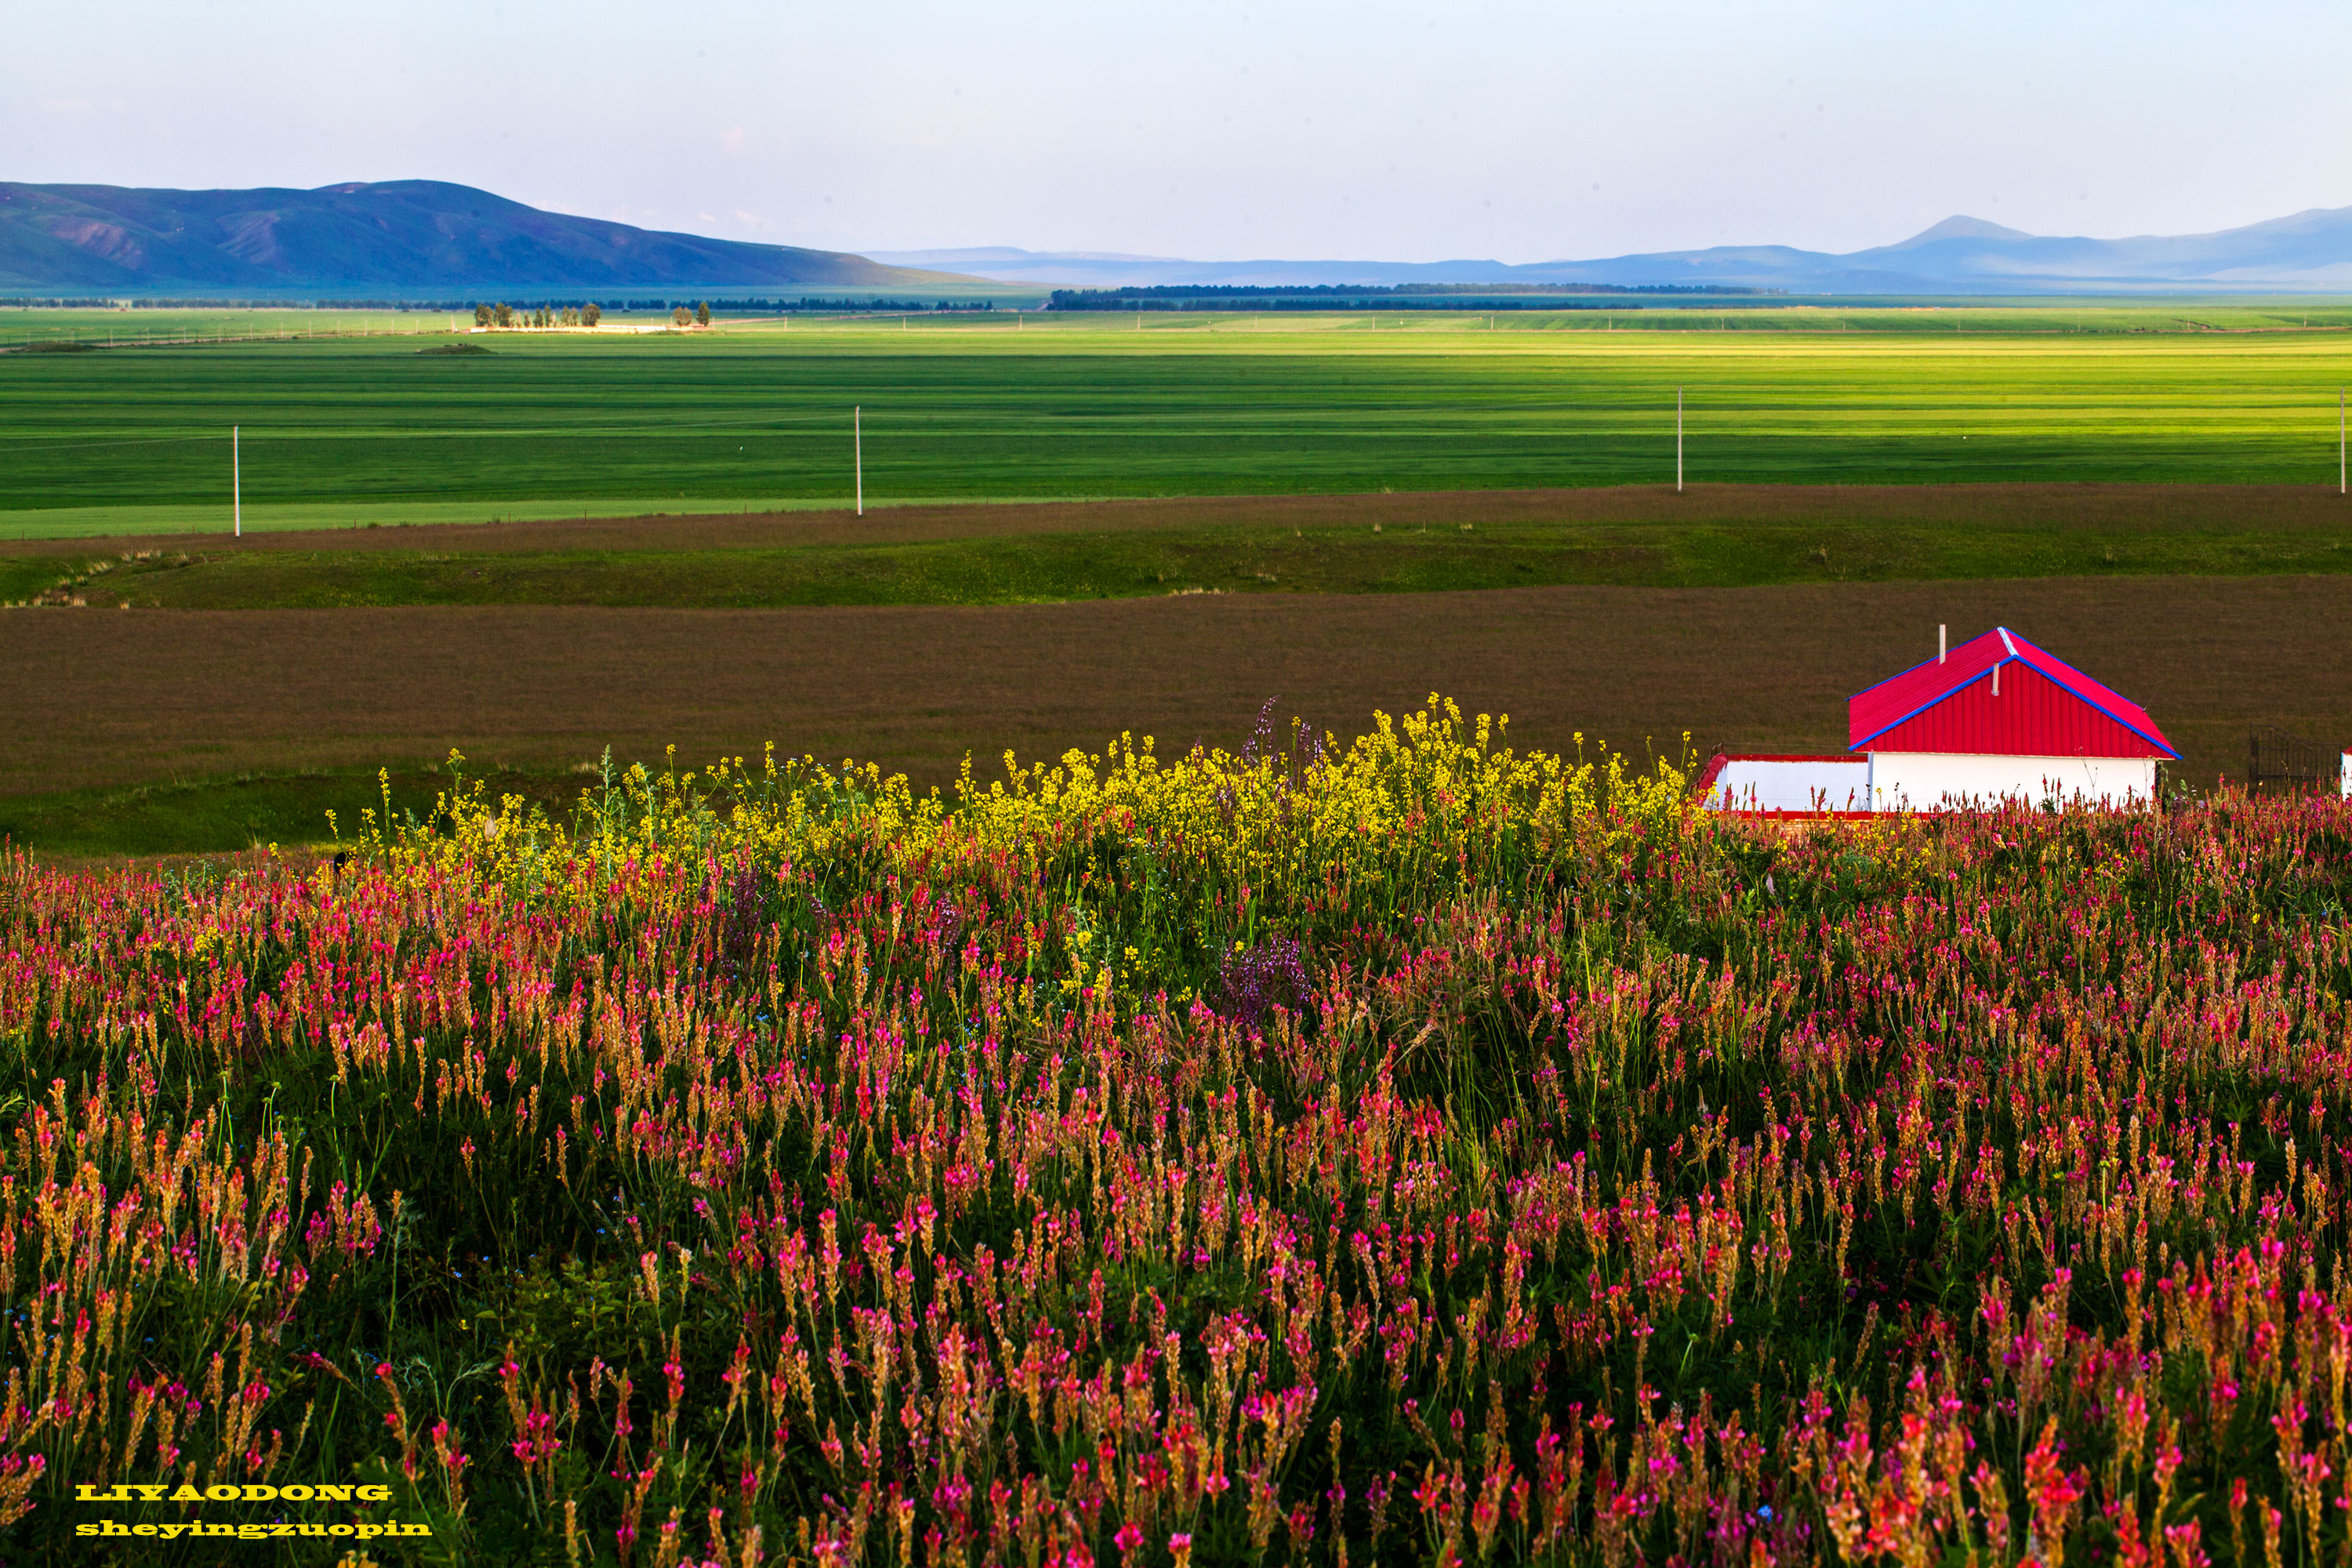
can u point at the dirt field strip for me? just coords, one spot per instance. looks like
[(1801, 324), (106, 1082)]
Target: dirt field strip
[(101, 698)]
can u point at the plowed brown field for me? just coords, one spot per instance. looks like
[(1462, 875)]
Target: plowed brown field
[(96, 696)]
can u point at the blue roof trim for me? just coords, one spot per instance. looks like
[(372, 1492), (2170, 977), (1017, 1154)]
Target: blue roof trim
[(2099, 708), (2118, 720), (1901, 673), (1947, 697), (2094, 706)]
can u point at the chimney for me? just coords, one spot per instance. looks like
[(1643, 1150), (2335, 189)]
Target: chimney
[(1940, 642)]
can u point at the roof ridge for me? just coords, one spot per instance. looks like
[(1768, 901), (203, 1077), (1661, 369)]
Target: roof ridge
[(1931, 683)]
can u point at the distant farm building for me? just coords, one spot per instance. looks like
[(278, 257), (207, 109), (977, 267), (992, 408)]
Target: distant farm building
[(1993, 719)]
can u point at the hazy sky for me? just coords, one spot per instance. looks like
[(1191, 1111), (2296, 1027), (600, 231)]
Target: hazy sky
[(1522, 132)]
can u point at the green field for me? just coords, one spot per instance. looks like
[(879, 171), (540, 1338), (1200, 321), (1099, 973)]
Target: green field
[(134, 440)]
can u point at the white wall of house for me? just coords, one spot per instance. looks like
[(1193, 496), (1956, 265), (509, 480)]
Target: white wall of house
[(1928, 781), (1764, 784)]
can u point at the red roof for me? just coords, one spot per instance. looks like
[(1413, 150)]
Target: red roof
[(2045, 708)]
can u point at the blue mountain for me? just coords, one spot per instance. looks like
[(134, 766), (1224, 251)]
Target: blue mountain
[(399, 236)]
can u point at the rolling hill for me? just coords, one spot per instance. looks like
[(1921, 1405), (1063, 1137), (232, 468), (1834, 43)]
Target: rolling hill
[(401, 236)]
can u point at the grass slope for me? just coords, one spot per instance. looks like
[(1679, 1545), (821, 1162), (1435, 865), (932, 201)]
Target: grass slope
[(213, 815), (1129, 566), (1636, 536)]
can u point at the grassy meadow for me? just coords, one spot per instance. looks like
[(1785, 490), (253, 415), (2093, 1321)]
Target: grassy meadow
[(366, 429)]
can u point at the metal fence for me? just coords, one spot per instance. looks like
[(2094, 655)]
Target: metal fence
[(2278, 760)]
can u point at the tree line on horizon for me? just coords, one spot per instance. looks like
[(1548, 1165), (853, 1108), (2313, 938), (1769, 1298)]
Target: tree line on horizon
[(1280, 302), (1388, 297), (503, 315)]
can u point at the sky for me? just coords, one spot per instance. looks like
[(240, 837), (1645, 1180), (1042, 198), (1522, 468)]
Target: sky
[(1220, 130)]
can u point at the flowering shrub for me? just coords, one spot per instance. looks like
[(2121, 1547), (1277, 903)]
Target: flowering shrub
[(1405, 1151)]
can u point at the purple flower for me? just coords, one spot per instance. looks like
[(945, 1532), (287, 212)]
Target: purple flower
[(1252, 982)]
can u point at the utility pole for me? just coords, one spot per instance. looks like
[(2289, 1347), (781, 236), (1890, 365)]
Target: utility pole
[(236, 486), (857, 444), (1678, 441)]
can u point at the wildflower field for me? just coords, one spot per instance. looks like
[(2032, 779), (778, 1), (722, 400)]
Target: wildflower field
[(1409, 1152)]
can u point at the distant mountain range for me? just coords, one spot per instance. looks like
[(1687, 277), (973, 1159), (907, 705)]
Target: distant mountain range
[(424, 238), (2310, 251), (405, 236)]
